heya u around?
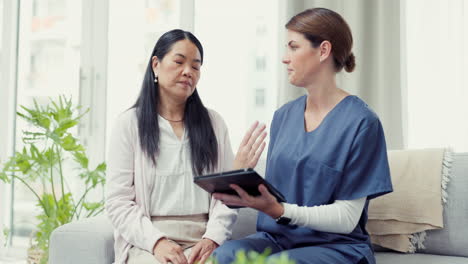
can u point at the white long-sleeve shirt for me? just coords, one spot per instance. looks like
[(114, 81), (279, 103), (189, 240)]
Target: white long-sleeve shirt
[(342, 216)]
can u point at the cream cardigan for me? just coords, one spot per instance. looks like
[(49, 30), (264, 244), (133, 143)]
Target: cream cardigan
[(128, 189)]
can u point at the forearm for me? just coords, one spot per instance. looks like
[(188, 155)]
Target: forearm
[(220, 223), (341, 216)]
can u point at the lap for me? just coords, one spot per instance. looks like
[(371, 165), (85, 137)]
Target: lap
[(316, 255), (258, 242), (140, 256), (337, 254)]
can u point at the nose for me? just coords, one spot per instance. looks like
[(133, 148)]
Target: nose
[(286, 59), (188, 71)]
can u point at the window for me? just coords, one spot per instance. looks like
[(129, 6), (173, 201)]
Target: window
[(134, 28), (241, 55), (436, 74), (48, 65), (1, 28)]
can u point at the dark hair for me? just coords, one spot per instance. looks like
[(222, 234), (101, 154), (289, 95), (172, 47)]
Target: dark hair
[(202, 139), (320, 24)]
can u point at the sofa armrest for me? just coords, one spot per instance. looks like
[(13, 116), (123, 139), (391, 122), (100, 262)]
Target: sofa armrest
[(89, 240)]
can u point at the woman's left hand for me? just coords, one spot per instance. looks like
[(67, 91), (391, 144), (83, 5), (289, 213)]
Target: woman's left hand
[(202, 250), (265, 202)]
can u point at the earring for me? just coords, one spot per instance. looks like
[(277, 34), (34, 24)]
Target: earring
[(156, 78)]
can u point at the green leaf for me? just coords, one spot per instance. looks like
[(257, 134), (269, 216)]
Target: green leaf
[(92, 206), (253, 257), (101, 167), (69, 143), (81, 158), (4, 177)]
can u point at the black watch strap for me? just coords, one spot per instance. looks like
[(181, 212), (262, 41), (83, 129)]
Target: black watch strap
[(283, 220)]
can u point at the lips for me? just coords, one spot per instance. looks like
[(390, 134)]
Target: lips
[(186, 83)]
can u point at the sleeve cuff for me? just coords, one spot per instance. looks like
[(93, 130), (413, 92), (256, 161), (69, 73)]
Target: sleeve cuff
[(152, 241), (217, 235)]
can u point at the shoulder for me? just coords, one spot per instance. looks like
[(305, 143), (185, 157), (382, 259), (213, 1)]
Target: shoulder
[(217, 121), (291, 106), (360, 113), (126, 122)]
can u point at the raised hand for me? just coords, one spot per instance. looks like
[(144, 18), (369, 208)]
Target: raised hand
[(251, 147)]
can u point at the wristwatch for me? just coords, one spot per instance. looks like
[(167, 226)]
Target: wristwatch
[(283, 220)]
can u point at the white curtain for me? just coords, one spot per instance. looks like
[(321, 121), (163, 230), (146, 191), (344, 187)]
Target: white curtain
[(375, 25), (437, 69)]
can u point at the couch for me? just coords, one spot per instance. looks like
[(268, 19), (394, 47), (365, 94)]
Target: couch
[(91, 240)]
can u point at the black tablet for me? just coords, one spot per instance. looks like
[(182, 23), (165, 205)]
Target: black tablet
[(247, 179)]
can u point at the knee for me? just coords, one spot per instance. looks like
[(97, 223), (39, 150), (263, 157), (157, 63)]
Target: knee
[(226, 253)]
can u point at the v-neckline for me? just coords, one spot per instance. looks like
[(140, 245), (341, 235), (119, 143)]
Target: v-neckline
[(304, 128), (173, 133)]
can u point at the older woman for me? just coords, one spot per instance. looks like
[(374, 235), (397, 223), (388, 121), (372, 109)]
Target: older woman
[(157, 146), (327, 155)]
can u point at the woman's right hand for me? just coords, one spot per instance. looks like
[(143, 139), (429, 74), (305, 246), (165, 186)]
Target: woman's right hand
[(167, 251), (251, 147)]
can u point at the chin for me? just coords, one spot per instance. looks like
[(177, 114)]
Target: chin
[(293, 81)]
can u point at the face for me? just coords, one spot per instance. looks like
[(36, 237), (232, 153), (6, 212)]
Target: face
[(179, 71), (302, 60)]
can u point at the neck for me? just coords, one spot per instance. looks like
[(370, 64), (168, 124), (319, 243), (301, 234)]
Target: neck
[(323, 94), (171, 110)]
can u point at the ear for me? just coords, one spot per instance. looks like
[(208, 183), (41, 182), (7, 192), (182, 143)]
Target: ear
[(325, 50), (155, 64)]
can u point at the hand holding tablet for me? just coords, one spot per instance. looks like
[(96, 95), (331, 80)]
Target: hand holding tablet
[(247, 179)]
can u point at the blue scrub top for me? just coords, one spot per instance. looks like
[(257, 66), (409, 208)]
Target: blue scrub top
[(344, 158)]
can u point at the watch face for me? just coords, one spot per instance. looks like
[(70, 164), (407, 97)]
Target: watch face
[(283, 220)]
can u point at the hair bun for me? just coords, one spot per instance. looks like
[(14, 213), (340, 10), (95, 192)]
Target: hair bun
[(350, 63)]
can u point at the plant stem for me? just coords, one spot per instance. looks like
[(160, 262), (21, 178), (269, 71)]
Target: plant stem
[(37, 196), (52, 180), (81, 200), (94, 213), (61, 171)]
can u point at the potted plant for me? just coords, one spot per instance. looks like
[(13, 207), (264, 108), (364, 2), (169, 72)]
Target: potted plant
[(49, 147), (253, 257)]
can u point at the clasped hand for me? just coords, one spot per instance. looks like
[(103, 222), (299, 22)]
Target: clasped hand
[(167, 251)]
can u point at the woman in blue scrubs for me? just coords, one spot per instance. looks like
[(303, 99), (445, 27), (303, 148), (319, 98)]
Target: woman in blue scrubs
[(327, 155)]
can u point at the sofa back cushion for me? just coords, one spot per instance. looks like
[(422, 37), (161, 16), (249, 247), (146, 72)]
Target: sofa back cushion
[(453, 238)]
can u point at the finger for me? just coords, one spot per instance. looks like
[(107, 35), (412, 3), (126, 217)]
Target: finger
[(162, 260), (242, 194), (181, 258), (232, 200), (172, 259), (194, 255), (264, 191), (257, 146), (256, 157), (225, 197), (259, 141), (248, 134), (205, 256), (255, 135)]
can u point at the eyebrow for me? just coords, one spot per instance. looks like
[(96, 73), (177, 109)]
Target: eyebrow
[(183, 56)]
